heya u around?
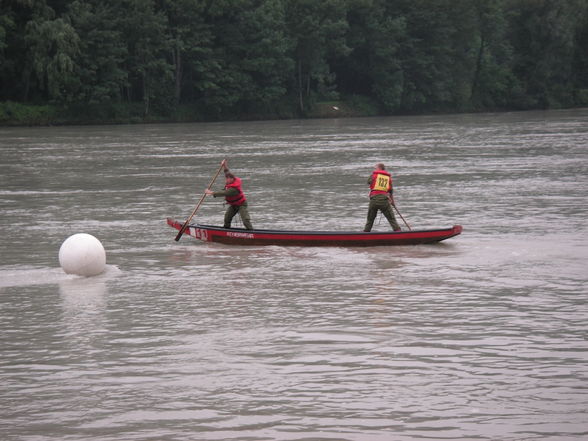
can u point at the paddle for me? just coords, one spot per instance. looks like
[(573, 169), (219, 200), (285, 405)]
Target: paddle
[(397, 211), (199, 202)]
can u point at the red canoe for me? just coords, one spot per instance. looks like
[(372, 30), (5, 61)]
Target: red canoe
[(239, 236)]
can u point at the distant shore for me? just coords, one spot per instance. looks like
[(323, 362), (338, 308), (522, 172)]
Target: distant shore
[(14, 114)]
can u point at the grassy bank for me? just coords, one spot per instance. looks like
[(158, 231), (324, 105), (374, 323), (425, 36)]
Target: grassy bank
[(18, 114)]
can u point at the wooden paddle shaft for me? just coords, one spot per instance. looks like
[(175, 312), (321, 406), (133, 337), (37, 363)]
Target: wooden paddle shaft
[(199, 202), (397, 211)]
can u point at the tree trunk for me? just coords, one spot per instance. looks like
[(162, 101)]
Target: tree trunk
[(145, 95), (178, 75), (474, 98), (300, 94), (27, 85)]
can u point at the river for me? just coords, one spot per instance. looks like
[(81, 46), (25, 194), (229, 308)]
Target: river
[(481, 337)]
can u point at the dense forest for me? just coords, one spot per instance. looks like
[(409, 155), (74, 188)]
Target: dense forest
[(197, 60)]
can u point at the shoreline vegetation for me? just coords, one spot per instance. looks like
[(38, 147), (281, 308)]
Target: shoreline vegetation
[(22, 115), (143, 61), (18, 114)]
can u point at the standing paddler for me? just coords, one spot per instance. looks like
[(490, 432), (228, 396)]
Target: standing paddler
[(235, 198), (381, 198)]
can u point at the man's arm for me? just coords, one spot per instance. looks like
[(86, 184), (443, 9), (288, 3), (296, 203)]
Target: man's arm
[(223, 193), (228, 192)]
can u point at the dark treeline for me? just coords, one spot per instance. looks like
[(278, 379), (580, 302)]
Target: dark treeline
[(221, 59)]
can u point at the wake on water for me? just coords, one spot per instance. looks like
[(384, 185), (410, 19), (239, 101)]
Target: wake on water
[(28, 276)]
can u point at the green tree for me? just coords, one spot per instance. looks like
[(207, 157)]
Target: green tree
[(374, 66), (230, 57), (52, 46), (191, 43), (492, 77), (254, 47), (7, 26), (100, 77), (464, 45), (580, 61), (318, 32), (543, 33), (150, 75), (429, 56), (39, 52)]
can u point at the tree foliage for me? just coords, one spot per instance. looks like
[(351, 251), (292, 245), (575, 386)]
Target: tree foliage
[(233, 58)]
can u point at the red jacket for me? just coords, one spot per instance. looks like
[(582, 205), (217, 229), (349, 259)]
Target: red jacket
[(238, 199), (380, 183)]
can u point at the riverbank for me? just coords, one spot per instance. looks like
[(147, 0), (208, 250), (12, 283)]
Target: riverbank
[(18, 114), (14, 114)]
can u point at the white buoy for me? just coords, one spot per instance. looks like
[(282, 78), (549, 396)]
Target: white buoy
[(82, 254)]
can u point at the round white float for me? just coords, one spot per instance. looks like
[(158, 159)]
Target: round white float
[(82, 254)]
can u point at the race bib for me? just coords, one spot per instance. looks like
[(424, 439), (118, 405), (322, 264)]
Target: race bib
[(382, 183)]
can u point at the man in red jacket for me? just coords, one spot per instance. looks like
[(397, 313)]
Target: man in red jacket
[(235, 198), (381, 198)]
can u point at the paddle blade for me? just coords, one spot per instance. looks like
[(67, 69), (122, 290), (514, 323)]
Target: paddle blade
[(181, 232)]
